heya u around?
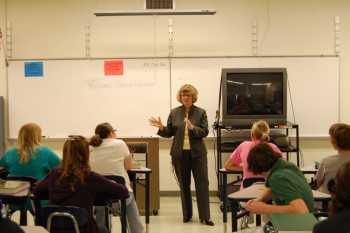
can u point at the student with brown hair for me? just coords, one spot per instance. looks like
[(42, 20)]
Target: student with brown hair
[(339, 213), (339, 135), (111, 156), (74, 184), (285, 183)]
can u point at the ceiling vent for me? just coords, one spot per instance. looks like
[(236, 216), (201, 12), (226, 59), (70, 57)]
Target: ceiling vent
[(159, 4)]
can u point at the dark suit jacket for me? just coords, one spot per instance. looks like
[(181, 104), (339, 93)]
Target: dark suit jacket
[(176, 127)]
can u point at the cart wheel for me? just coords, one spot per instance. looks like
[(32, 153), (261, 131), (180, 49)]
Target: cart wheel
[(155, 212)]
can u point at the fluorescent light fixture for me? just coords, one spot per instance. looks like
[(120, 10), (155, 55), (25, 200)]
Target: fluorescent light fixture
[(155, 12)]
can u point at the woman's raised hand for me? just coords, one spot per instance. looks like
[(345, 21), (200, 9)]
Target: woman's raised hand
[(156, 123)]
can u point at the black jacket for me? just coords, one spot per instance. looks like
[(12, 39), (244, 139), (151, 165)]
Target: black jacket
[(176, 127)]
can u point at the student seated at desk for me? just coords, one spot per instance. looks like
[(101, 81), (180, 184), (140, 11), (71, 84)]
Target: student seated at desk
[(74, 184), (340, 138), (259, 133), (111, 156), (339, 213), (29, 158), (285, 184)]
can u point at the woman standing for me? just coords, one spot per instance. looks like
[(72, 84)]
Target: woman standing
[(111, 156), (189, 125)]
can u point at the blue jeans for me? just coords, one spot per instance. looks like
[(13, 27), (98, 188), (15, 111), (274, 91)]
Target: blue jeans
[(132, 214)]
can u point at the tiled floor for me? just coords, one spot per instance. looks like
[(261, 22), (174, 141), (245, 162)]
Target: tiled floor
[(169, 218)]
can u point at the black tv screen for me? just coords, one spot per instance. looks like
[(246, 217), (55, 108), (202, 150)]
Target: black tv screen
[(251, 94)]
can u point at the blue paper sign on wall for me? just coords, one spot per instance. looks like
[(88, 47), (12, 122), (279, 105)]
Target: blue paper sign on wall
[(33, 69)]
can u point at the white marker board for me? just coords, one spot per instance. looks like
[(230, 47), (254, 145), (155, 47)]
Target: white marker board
[(73, 96)]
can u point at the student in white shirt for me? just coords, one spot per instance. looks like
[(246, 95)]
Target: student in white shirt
[(111, 156)]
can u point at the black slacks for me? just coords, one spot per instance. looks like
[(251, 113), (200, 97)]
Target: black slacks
[(199, 167)]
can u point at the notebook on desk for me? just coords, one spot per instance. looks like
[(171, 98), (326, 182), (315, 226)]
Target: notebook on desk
[(9, 187)]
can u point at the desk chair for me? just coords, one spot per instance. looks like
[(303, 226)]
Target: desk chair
[(330, 185), (109, 210), (64, 217), (3, 173), (32, 181), (320, 213), (245, 214), (137, 148)]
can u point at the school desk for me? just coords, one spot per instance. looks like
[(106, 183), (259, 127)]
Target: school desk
[(34, 229), (255, 190), (19, 199), (224, 173), (146, 171), (310, 169)]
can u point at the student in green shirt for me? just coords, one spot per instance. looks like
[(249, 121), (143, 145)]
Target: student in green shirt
[(286, 185)]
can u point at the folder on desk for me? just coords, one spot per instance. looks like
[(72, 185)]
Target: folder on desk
[(10, 187), (300, 223)]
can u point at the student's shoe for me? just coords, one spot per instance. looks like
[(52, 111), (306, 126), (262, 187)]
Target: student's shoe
[(187, 220), (208, 222)]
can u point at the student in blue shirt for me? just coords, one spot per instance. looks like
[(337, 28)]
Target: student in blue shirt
[(29, 158)]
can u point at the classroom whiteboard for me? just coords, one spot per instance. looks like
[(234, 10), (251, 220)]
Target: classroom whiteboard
[(74, 96), (313, 85)]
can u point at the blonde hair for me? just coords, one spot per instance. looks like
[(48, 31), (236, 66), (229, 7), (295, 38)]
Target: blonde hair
[(187, 89), (261, 131), (29, 137)]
